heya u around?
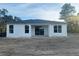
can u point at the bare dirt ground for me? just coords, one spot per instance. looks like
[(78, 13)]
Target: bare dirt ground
[(40, 46)]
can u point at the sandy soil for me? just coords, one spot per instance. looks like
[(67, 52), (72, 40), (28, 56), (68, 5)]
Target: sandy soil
[(40, 46)]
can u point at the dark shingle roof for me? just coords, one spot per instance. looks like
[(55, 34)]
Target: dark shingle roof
[(33, 21)]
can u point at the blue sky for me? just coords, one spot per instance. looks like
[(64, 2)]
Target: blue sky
[(49, 11)]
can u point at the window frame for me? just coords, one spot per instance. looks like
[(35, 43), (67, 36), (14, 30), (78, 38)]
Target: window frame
[(55, 28), (11, 29), (58, 28), (26, 28)]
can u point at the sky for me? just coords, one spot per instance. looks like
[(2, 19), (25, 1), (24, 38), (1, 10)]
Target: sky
[(48, 11)]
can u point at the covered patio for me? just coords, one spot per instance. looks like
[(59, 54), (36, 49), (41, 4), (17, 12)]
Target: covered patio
[(39, 30)]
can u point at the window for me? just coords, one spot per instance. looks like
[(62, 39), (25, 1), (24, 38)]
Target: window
[(10, 28), (57, 29), (26, 29), (39, 30)]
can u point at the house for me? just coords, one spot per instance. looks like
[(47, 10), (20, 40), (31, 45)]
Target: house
[(36, 27)]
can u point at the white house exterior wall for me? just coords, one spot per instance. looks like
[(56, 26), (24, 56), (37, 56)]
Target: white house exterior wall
[(51, 30), (19, 31)]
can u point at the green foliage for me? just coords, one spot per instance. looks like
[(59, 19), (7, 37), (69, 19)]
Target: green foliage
[(73, 24), (17, 18), (3, 12), (4, 18), (67, 10)]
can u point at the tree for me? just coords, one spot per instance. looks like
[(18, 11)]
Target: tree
[(73, 23), (8, 18), (4, 18), (3, 12), (3, 15), (67, 10), (17, 18)]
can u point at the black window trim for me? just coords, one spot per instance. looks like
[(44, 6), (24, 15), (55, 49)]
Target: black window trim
[(55, 28), (27, 29), (11, 29), (59, 30)]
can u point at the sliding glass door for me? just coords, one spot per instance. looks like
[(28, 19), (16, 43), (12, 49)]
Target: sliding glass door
[(39, 30)]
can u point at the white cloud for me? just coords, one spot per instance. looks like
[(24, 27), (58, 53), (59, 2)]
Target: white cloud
[(49, 14), (28, 11), (76, 5)]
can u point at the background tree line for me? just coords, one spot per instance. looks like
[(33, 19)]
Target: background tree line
[(4, 18), (68, 14)]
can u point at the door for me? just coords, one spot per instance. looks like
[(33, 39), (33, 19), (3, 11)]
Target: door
[(39, 30)]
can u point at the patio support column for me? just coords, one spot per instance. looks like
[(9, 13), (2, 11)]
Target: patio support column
[(30, 30), (50, 29)]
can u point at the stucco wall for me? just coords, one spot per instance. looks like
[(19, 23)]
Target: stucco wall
[(33, 31), (19, 31), (46, 31), (51, 30)]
